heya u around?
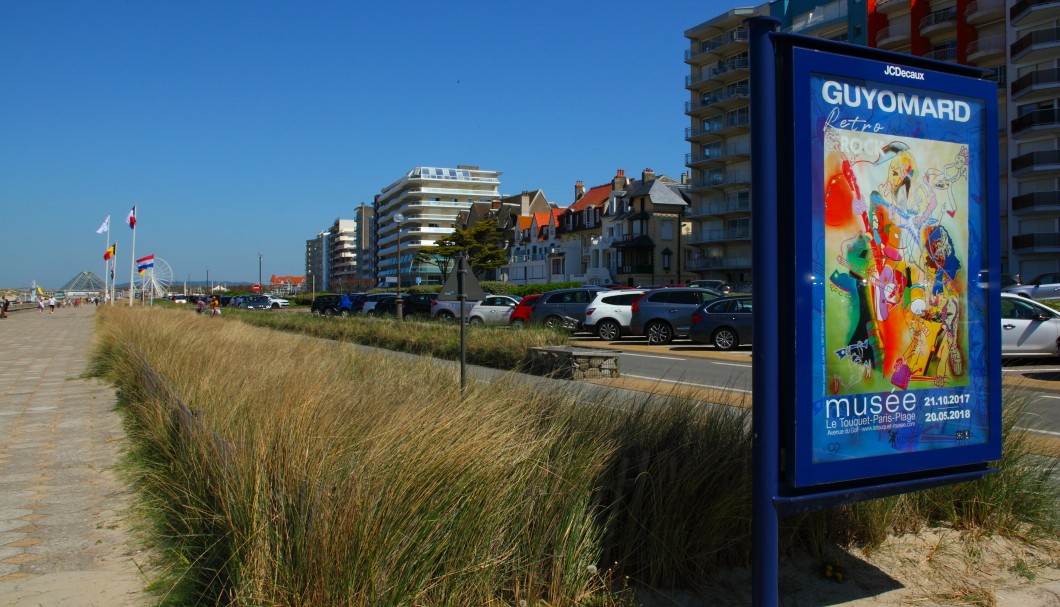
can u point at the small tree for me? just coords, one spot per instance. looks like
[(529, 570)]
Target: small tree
[(480, 243)]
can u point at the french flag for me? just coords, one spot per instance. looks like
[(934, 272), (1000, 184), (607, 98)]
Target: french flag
[(131, 219)]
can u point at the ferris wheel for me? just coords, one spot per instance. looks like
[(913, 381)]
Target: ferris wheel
[(156, 279)]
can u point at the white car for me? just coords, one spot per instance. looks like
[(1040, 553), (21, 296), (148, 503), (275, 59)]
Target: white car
[(278, 302), (1028, 328), (609, 312), (494, 310)]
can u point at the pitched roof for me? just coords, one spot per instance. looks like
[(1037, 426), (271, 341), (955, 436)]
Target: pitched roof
[(661, 191), (593, 197)]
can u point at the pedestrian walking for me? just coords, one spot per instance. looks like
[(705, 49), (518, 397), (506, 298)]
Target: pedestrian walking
[(215, 307), (40, 305), (3, 307), (51, 305)]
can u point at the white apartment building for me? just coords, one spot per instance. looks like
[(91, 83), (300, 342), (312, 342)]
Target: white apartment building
[(430, 200)]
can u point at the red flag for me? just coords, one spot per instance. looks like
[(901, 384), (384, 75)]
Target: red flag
[(131, 219)]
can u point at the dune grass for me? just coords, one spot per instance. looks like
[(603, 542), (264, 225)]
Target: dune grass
[(280, 469)]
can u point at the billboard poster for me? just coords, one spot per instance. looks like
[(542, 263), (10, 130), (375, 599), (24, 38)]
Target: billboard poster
[(896, 210)]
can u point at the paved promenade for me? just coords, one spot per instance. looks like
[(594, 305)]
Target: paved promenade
[(64, 535)]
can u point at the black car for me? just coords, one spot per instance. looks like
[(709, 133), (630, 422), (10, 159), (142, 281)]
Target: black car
[(325, 305), (251, 302)]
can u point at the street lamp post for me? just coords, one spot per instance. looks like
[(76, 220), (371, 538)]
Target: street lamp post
[(399, 219), (260, 287), (313, 278), (208, 278)]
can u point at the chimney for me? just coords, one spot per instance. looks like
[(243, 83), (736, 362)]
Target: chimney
[(620, 181), (647, 175), (579, 190)]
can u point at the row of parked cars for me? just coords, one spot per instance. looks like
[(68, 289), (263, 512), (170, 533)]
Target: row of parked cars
[(660, 314)]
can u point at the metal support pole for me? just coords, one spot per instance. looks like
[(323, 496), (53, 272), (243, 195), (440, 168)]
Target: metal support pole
[(462, 297), (765, 571), (397, 302)]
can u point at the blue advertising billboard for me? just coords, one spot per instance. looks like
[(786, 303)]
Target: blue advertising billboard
[(893, 169)]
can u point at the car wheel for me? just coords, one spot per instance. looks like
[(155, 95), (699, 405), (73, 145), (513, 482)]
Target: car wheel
[(275, 306), (344, 313), (608, 330), (475, 320), (554, 322), (329, 312), (446, 316), (518, 323), (659, 332), (370, 313), (315, 312), (725, 339)]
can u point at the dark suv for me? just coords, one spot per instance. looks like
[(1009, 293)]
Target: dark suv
[(662, 314), (325, 305), (553, 307)]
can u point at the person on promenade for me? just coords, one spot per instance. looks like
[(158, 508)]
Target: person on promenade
[(51, 305), (40, 305), (215, 307), (3, 307)]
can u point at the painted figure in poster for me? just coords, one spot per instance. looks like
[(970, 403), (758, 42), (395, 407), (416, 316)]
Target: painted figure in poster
[(896, 256)]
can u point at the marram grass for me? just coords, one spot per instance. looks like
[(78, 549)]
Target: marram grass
[(282, 469)]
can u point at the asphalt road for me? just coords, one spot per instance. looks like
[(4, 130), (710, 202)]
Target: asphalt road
[(686, 365)]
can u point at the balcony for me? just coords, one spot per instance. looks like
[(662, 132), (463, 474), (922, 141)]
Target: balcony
[(708, 130), (736, 123), (733, 68), (738, 178), (711, 153), (703, 51), (893, 36), (641, 268), (720, 263), (1039, 163), (986, 48), (939, 22), (891, 7), (721, 235), (814, 22), (1047, 242), (979, 12), (1036, 45), (943, 54), (1036, 202), (735, 202), (1035, 121), (1028, 12), (712, 179)]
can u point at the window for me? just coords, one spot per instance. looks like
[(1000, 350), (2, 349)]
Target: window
[(667, 230)]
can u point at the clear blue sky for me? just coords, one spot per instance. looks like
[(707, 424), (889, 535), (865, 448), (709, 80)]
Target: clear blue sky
[(246, 127)]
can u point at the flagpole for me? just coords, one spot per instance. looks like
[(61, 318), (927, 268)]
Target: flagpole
[(132, 256), (106, 262)]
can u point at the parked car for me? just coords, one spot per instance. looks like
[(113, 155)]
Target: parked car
[(325, 305), (609, 312), (372, 300), (714, 285), (663, 314), (1007, 280), (1042, 286), (177, 299), (520, 316), (418, 305), (494, 310), (251, 302), (278, 302), (449, 310), (725, 322), (553, 306), (350, 304), (1028, 328)]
